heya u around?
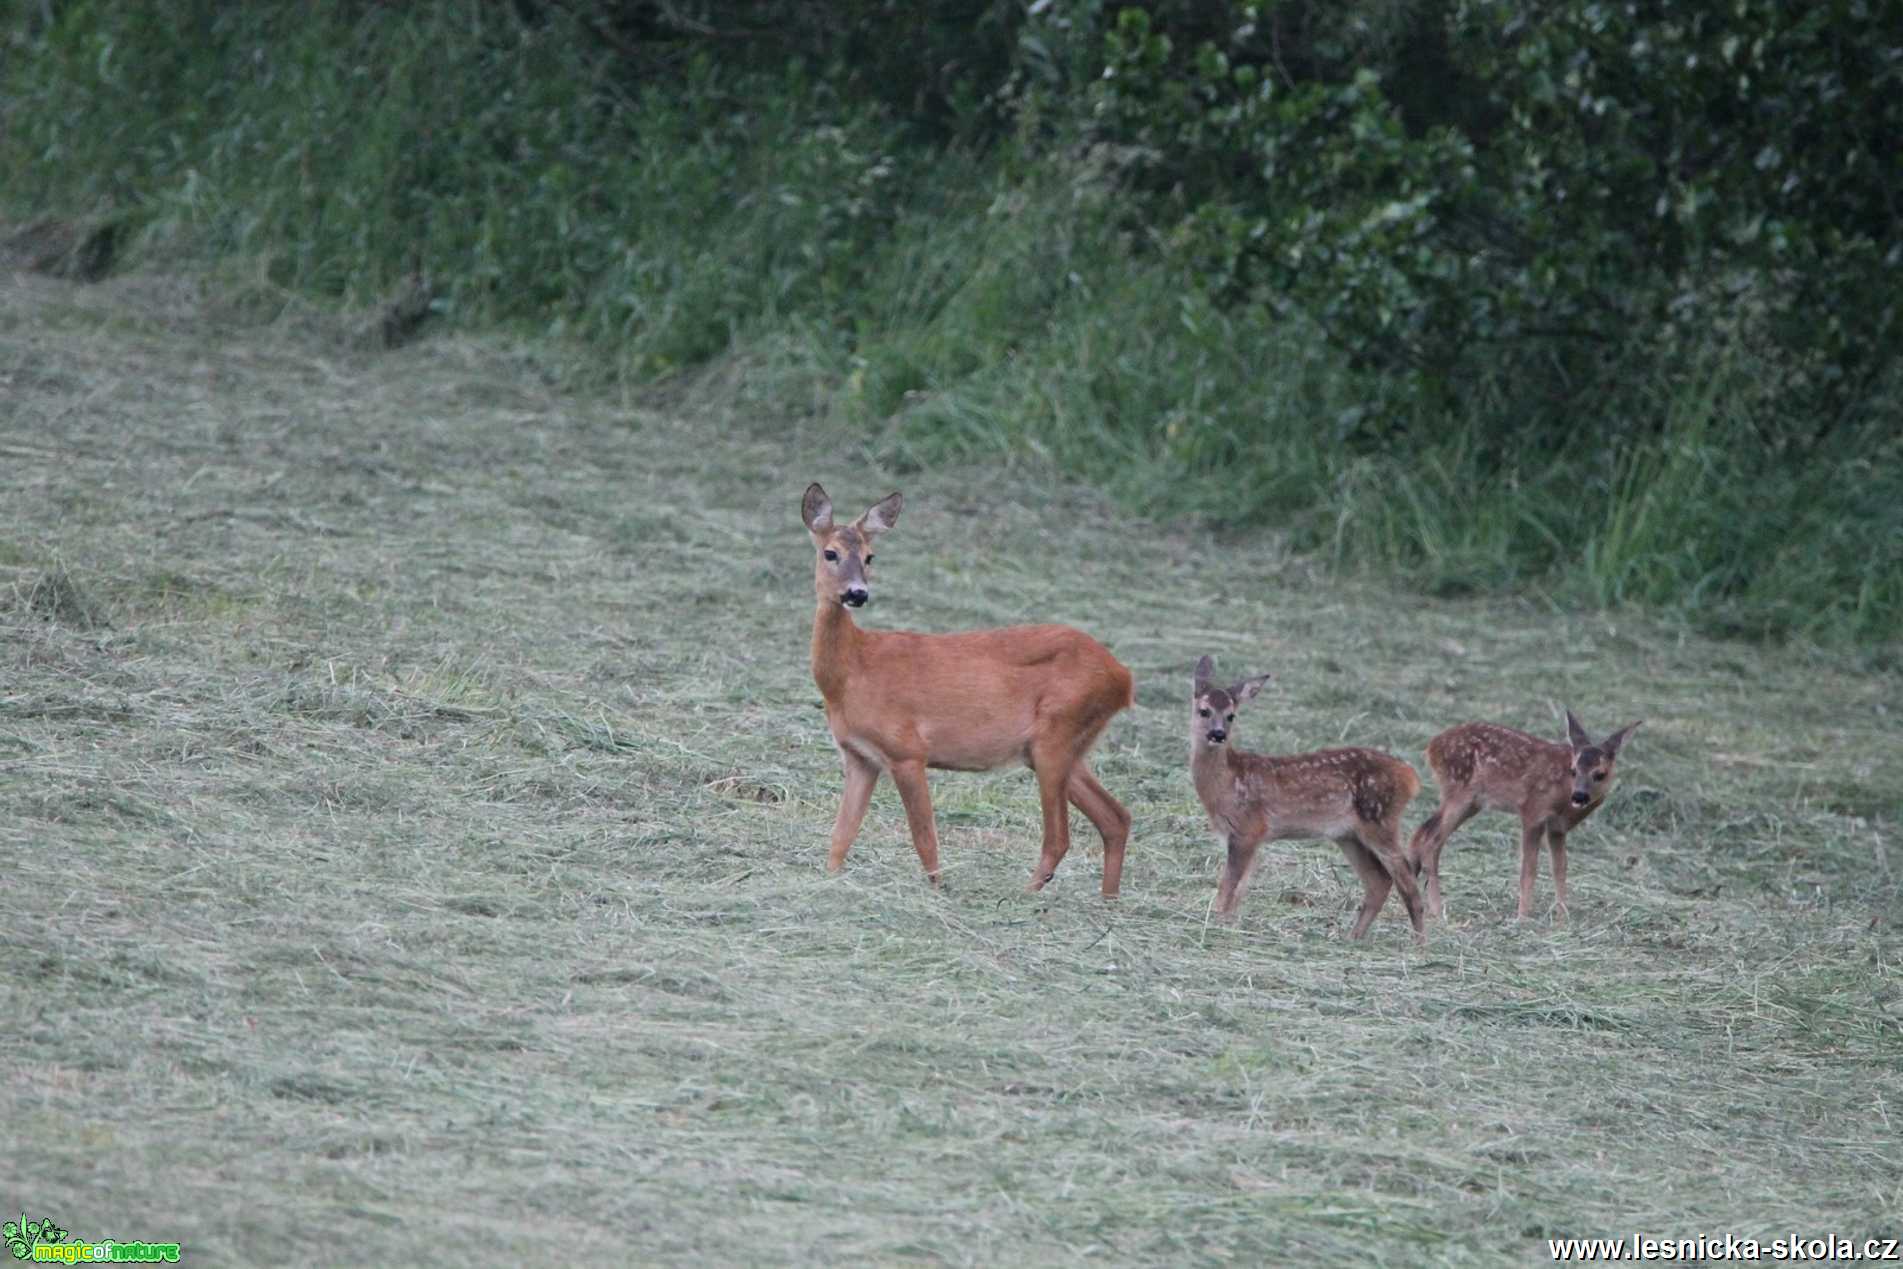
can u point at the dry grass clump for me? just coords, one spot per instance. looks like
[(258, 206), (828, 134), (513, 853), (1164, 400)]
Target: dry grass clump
[(435, 837), (53, 595)]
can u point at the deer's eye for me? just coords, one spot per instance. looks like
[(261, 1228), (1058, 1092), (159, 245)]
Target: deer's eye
[(1598, 776), (833, 556), (1204, 711), (868, 559), (1229, 718)]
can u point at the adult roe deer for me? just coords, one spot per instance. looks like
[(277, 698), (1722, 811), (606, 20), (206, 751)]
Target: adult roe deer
[(901, 702), (1552, 787), (1355, 797)]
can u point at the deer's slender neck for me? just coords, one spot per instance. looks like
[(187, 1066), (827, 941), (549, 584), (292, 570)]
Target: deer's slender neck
[(836, 640), (1212, 769)]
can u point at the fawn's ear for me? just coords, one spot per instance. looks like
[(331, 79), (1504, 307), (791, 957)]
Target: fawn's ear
[(1576, 734), (881, 516), (1246, 690), (1618, 738), (816, 509), (1204, 668)]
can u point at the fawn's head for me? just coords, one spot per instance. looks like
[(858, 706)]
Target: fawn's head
[(1593, 764), (844, 551), (1213, 709)]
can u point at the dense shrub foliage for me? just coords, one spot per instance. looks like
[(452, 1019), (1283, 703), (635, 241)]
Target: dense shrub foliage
[(1559, 174), (1594, 297)]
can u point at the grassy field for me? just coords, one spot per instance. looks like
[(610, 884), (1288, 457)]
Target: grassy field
[(414, 800)]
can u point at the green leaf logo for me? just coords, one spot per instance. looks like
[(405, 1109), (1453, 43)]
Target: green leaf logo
[(22, 1235)]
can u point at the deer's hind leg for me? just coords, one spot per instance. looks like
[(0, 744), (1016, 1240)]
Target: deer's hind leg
[(1053, 770), (1111, 819), (1431, 838), (1056, 754), (1375, 881), (1383, 840)]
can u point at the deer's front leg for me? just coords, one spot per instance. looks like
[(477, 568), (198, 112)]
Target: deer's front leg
[(917, 796), (1529, 865), (1557, 841), (1235, 874), (861, 775)]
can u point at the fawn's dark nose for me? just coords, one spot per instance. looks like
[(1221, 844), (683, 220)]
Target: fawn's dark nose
[(855, 596), (1217, 735), (1579, 797)]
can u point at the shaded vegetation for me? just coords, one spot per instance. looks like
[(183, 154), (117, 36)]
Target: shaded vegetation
[(1597, 300)]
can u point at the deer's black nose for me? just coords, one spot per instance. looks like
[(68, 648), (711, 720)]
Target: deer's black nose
[(1579, 798), (1218, 735), (855, 596)]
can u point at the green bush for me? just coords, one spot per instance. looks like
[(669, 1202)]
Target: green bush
[(1595, 298), (507, 162), (1550, 179)]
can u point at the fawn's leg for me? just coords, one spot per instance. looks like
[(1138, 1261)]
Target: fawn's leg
[(1431, 838), (1236, 871), (1529, 865), (1375, 882), (1556, 841), (1383, 841)]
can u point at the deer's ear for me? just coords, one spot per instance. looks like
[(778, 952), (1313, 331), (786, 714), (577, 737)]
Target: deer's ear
[(882, 515), (1246, 690), (1618, 738), (816, 509), (1204, 668), (1576, 734)]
